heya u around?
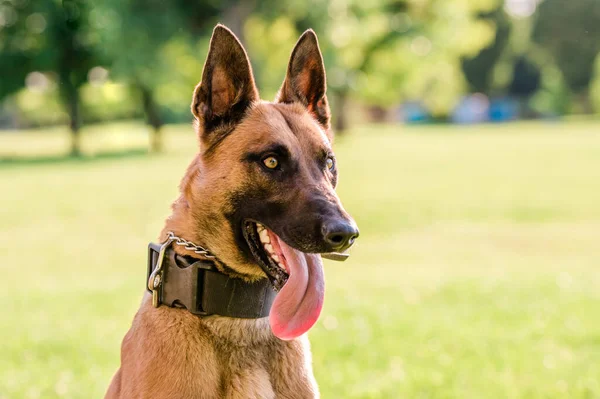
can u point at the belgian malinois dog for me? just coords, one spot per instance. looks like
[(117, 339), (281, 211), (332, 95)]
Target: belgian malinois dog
[(257, 209)]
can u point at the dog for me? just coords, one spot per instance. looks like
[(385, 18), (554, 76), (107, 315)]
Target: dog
[(256, 210)]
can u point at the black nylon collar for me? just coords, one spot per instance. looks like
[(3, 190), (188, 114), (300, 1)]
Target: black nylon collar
[(199, 287)]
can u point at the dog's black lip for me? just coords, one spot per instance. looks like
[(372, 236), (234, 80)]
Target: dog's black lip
[(277, 276)]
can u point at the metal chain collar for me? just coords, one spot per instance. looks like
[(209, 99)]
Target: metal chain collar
[(190, 246)]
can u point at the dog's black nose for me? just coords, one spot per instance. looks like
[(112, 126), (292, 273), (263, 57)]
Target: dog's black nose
[(340, 234)]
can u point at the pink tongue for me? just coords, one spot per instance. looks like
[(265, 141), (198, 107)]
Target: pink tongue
[(298, 305)]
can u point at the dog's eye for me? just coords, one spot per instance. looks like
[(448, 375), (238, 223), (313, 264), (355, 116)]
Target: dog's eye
[(330, 164), (271, 162)]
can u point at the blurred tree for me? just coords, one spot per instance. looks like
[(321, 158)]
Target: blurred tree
[(74, 55), (49, 36), (18, 45), (569, 31), (350, 32), (152, 47), (526, 80), (235, 14), (389, 14), (422, 62), (479, 69)]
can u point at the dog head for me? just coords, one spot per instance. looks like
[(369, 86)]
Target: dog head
[(261, 192)]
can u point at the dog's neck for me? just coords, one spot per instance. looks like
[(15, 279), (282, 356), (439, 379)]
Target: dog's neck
[(180, 223), (240, 332)]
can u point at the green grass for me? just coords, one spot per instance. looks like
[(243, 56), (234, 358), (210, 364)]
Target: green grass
[(477, 274)]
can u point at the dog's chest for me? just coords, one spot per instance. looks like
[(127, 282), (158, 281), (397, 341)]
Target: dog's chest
[(252, 383), (246, 374), (272, 370)]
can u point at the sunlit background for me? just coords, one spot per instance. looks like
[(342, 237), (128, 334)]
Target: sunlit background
[(468, 141)]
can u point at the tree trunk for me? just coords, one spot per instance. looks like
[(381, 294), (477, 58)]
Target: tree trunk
[(584, 102), (377, 113), (75, 124), (70, 95), (235, 17), (341, 119), (152, 118)]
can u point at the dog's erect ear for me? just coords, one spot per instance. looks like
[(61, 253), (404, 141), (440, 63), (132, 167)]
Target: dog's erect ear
[(305, 81), (227, 87)]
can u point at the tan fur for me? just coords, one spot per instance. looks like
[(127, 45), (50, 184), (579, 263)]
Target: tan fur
[(170, 353)]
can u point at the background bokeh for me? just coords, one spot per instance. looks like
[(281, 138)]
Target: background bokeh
[(468, 143)]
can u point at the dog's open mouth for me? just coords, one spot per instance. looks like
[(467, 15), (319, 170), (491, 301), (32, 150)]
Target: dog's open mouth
[(298, 276), (265, 247)]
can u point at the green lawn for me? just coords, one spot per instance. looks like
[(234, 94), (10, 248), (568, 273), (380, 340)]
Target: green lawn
[(477, 274)]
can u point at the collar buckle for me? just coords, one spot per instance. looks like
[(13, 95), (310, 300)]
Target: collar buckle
[(156, 275), (160, 271)]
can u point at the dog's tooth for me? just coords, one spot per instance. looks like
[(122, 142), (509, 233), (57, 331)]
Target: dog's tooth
[(282, 266), (275, 257), (269, 248), (264, 236), (259, 227)]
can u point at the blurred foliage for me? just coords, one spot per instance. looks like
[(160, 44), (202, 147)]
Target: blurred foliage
[(41, 107), (49, 36), (595, 87), (479, 69), (108, 101), (569, 31), (371, 47), (100, 102), (270, 42), (553, 96), (80, 61), (156, 59)]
